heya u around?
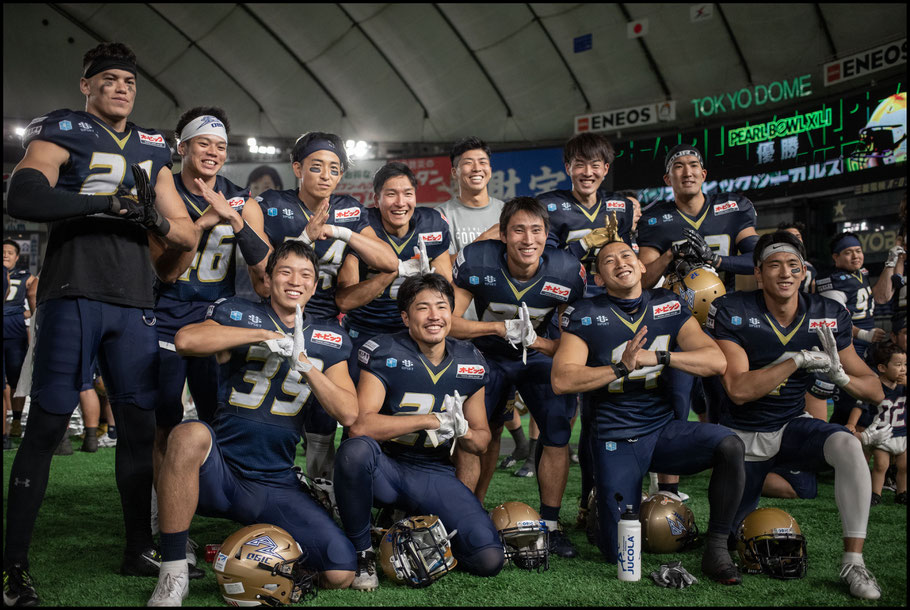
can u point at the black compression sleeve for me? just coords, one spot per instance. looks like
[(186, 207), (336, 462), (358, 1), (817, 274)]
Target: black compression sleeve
[(251, 245), (31, 197)]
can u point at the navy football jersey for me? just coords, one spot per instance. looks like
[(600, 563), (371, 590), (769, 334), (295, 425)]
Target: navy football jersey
[(286, 217), (856, 288), (893, 410), (743, 318), (99, 257), (381, 315), (481, 269), (570, 220), (639, 403), (811, 274), (15, 300), (415, 387), (721, 219), (211, 274), (899, 298), (261, 399)]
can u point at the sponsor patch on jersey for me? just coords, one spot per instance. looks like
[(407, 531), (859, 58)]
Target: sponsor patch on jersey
[(586, 321), (823, 284), (566, 206), (32, 132), (85, 126), (353, 333), (326, 337), (347, 214), (471, 371), (754, 323), (272, 211), (236, 315), (816, 323), (709, 323), (551, 207), (610, 446), (363, 356), (615, 204), (391, 362), (474, 280), (652, 221), (824, 385), (287, 213), (556, 290), (489, 280), (431, 238), (236, 202), (736, 321), (667, 217), (152, 139), (65, 125), (370, 345), (665, 310), (725, 207), (255, 320)]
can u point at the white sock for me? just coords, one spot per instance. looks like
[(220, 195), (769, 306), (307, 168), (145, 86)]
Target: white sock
[(551, 525), (856, 558), (174, 567)]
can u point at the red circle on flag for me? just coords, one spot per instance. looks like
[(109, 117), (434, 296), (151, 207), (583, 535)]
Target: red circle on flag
[(637, 28)]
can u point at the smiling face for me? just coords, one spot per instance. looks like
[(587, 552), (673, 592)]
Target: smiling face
[(203, 156), (849, 259), (10, 257), (397, 200), (291, 283), (780, 275), (686, 176), (472, 171), (587, 175), (525, 238), (429, 317), (619, 270), (319, 174), (109, 94)]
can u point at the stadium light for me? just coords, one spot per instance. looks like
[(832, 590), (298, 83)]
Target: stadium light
[(356, 150), (20, 131)]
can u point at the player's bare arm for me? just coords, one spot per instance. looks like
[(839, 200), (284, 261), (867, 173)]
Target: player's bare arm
[(370, 396)]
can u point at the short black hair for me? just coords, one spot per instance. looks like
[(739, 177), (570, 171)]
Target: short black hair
[(834, 240), (108, 49), (304, 140), (793, 224), (292, 246), (199, 111), (391, 170), (588, 147), (265, 170), (882, 352), (522, 204), (629, 193), (777, 237), (10, 242), (465, 144), (412, 286)]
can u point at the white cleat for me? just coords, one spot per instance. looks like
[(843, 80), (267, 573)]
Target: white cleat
[(862, 582), (365, 578), (172, 589)]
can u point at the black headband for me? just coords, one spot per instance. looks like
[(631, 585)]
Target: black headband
[(100, 64)]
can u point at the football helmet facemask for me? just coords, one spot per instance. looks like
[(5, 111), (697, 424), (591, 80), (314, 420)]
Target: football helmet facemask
[(262, 565), (667, 525), (698, 287), (769, 541), (416, 551), (525, 537)]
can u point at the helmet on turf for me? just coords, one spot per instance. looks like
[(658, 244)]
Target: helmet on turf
[(416, 551), (667, 525), (525, 537), (698, 287), (262, 565), (769, 541)]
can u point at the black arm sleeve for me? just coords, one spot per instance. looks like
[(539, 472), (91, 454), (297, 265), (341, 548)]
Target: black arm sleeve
[(31, 197), (251, 245)]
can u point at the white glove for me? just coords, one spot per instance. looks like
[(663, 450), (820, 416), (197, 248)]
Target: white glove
[(421, 252), (521, 331), (283, 346), (836, 372), (893, 254), (301, 366), (409, 267), (812, 360), (446, 428), (455, 404), (877, 433)]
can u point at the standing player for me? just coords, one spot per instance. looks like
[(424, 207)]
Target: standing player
[(517, 286), (602, 353), (95, 294), (413, 233), (333, 225), (419, 393), (765, 388), (23, 286), (241, 467)]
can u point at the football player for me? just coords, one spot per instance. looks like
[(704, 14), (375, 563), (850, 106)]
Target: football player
[(765, 388), (105, 187), (7, 443), (419, 393), (23, 287), (273, 360), (414, 233), (334, 225), (614, 348), (517, 286)]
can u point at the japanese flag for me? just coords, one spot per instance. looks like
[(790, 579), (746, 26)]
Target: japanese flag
[(637, 29)]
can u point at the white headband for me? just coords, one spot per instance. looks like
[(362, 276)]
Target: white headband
[(202, 126), (780, 247)]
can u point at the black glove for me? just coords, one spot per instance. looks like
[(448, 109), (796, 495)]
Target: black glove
[(140, 208), (700, 247)]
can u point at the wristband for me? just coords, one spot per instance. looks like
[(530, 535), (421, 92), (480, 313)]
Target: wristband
[(305, 238), (251, 245), (865, 335), (620, 369), (342, 233), (663, 357), (162, 227)]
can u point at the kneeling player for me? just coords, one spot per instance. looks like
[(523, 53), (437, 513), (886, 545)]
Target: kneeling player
[(240, 468), (633, 418), (766, 387), (419, 392)]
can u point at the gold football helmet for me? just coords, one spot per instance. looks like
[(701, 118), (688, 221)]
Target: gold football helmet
[(769, 541), (698, 288), (262, 565), (525, 537), (416, 551), (667, 525)]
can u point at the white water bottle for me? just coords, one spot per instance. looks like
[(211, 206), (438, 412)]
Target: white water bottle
[(628, 560)]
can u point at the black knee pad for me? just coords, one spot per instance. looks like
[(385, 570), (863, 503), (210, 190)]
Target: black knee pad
[(486, 562), (730, 449)]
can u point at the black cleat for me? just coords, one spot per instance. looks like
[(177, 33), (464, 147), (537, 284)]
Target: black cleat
[(901, 498), (146, 563), (18, 587), (561, 545), (719, 568)]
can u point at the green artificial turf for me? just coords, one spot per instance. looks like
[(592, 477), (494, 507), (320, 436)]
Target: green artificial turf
[(77, 550)]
